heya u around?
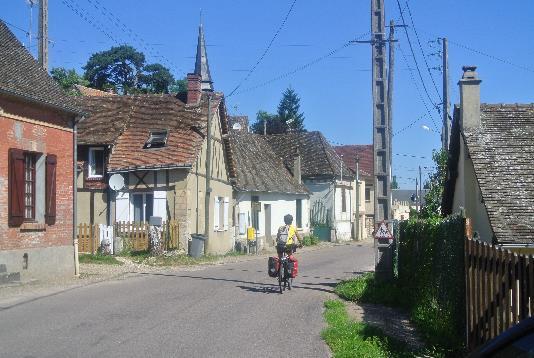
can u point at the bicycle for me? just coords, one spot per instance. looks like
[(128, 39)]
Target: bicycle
[(284, 274)]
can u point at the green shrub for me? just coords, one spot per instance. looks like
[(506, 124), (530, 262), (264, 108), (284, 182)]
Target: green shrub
[(365, 289), (98, 259), (310, 240)]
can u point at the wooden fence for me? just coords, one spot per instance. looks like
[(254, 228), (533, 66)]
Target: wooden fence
[(499, 290), (135, 235)]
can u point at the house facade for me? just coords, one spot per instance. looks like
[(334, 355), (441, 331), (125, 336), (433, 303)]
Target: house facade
[(264, 189), (37, 192), (363, 153), (158, 146), (489, 172), (331, 185)]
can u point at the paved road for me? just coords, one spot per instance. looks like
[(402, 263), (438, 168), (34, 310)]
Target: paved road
[(230, 310)]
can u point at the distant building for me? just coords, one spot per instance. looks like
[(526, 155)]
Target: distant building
[(404, 201)]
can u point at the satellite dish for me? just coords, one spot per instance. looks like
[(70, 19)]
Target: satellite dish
[(116, 182), (236, 126)]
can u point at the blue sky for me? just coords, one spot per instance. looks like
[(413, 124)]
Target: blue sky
[(335, 91)]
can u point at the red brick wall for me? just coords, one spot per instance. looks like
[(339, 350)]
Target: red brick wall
[(38, 138)]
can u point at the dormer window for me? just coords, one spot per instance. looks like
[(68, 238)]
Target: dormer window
[(157, 139), (96, 162)]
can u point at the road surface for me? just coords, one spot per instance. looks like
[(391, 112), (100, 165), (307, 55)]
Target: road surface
[(231, 310)]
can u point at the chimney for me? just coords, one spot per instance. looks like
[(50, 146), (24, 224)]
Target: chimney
[(296, 168), (469, 98), (194, 91)]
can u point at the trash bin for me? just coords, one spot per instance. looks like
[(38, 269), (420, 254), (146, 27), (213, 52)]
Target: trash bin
[(196, 247)]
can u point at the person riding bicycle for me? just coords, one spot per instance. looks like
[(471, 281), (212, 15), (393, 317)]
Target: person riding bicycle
[(287, 238)]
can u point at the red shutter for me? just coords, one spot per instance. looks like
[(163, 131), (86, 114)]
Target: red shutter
[(16, 187), (50, 205)]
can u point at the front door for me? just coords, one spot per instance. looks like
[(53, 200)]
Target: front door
[(268, 237)]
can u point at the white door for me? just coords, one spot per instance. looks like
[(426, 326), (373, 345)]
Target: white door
[(122, 207)]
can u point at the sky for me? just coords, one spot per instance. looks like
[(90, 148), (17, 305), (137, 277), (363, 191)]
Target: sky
[(311, 54)]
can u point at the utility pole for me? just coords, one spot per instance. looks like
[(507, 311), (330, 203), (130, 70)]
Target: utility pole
[(43, 34), (207, 200), (420, 189), (446, 131), (416, 196), (391, 66), (357, 221)]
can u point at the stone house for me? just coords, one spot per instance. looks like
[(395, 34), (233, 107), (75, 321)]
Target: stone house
[(364, 153), (331, 185), (404, 201), (37, 123), (490, 173), (264, 189)]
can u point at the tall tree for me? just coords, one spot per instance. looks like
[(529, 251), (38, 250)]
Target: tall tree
[(156, 78), (274, 125), (435, 184), (289, 111), (118, 68), (67, 79)]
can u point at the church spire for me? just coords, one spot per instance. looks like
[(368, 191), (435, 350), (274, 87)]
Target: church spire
[(202, 68)]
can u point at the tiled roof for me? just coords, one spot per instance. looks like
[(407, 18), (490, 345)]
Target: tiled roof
[(363, 151), (21, 75), (502, 151), (258, 168), (318, 158), (241, 120), (88, 91), (126, 121)]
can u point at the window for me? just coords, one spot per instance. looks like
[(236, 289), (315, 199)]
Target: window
[(367, 195), (31, 188), (256, 207), (143, 206), (343, 200), (220, 213), (157, 139), (96, 162), (299, 213), (225, 213)]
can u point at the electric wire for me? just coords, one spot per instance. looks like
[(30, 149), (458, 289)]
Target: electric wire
[(260, 59), (423, 52), (14, 26)]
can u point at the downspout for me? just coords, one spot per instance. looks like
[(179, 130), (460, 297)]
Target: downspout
[(75, 196)]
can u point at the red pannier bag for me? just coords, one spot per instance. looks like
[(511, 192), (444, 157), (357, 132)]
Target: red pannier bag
[(295, 262), (273, 265)]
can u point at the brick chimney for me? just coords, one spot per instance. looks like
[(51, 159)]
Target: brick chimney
[(194, 91), (296, 168), (469, 98)]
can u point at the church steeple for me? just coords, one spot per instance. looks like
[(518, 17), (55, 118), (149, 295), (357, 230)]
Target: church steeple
[(202, 68)]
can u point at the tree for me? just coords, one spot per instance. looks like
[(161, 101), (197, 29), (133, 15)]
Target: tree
[(67, 79), (118, 68), (288, 111), (156, 78), (436, 184), (394, 184), (178, 86), (274, 125)]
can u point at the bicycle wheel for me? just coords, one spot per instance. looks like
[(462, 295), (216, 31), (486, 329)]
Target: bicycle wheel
[(280, 273)]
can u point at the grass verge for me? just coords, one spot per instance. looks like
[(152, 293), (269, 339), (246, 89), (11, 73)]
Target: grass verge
[(356, 339), (98, 259), (176, 260)]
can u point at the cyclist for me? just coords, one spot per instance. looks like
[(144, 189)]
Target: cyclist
[(287, 238)]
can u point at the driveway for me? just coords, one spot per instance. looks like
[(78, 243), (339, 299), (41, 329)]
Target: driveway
[(230, 310)]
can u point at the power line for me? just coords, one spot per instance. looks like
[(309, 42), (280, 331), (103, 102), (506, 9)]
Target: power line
[(413, 55), (418, 89), (422, 52), (266, 49), (15, 26), (93, 22), (302, 67), (408, 126)]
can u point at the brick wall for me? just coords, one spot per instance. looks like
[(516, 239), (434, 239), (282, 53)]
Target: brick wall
[(46, 139)]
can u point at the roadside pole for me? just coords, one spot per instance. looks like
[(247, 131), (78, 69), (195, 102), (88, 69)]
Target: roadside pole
[(357, 221)]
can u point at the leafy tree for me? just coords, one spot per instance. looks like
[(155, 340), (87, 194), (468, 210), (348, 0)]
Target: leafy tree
[(274, 125), (67, 79), (178, 86), (156, 78), (118, 68), (288, 111), (436, 184)]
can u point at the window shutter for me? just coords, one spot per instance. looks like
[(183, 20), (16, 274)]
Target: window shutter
[(216, 214), (16, 187), (160, 204), (50, 206), (225, 214), (122, 207)]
